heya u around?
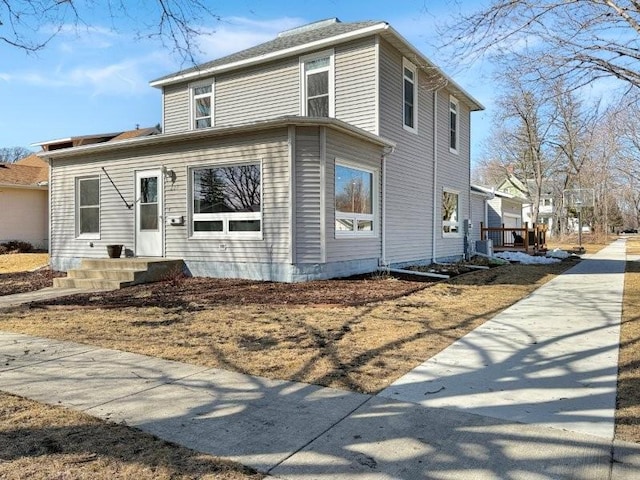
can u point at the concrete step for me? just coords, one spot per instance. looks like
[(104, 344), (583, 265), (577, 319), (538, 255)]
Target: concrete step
[(119, 275), (113, 273), (88, 283)]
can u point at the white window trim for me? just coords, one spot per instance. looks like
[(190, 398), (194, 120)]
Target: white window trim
[(86, 236), (192, 99), (303, 80), (449, 223), (410, 66), (453, 100), (373, 216), (225, 217)]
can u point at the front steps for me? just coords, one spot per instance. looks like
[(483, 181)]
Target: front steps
[(114, 273)]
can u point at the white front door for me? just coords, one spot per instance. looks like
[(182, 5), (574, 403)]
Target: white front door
[(149, 218)]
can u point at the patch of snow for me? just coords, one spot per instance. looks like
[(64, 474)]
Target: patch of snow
[(558, 253), (525, 259)]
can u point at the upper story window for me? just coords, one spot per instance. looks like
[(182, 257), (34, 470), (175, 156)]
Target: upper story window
[(410, 95), (450, 214), (227, 201), (355, 197), (88, 207), (317, 84), (201, 104), (453, 125)]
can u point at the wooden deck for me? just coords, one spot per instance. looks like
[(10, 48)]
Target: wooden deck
[(510, 239)]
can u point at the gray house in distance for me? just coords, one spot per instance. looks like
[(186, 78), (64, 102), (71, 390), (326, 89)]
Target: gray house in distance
[(329, 151)]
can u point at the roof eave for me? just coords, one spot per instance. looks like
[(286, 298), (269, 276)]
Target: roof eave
[(474, 104), (152, 140), (194, 75)]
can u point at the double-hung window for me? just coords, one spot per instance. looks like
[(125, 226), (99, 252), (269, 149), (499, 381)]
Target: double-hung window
[(450, 214), (317, 84), (227, 201), (355, 194), (201, 104), (88, 207), (453, 125), (410, 95)]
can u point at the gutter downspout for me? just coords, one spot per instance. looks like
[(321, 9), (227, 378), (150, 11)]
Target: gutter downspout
[(383, 260), (435, 171)]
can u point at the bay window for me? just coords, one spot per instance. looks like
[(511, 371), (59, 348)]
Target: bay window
[(354, 201)]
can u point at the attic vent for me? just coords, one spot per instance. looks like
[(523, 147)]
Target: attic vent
[(309, 26)]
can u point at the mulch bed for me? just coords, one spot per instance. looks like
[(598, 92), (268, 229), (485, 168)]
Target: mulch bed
[(193, 294), (21, 282)]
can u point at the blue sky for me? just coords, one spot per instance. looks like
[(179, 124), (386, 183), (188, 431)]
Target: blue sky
[(96, 80)]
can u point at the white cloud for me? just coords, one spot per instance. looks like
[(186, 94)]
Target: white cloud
[(121, 78), (238, 33)]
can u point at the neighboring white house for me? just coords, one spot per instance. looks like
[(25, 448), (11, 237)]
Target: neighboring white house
[(24, 187), (546, 206), (328, 151)]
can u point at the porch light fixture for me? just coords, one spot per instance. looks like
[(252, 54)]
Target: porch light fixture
[(168, 173)]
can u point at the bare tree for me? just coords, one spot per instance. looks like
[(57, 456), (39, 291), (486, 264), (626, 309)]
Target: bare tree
[(13, 154), (578, 40), (175, 22), (520, 138)]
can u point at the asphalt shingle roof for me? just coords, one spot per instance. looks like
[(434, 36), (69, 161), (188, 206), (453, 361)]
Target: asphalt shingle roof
[(30, 170), (284, 41)]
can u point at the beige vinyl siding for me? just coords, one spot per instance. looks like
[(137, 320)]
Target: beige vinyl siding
[(344, 148), (260, 93), (410, 167), (478, 205), (24, 216), (308, 196), (117, 223), (273, 90), (269, 149), (176, 108), (355, 83), (453, 173)]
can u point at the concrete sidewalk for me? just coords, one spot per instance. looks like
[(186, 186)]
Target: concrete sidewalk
[(299, 431), (37, 295)]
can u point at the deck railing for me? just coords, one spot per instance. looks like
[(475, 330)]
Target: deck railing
[(516, 238)]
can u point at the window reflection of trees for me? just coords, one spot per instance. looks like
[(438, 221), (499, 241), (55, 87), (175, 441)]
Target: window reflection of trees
[(227, 189), (355, 196)]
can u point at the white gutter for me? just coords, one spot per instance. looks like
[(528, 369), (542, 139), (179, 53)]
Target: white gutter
[(194, 74), (186, 135), (435, 173)]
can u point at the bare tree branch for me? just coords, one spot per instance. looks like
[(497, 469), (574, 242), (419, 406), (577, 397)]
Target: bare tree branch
[(176, 23), (576, 40)]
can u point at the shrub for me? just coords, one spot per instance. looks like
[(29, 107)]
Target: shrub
[(15, 246)]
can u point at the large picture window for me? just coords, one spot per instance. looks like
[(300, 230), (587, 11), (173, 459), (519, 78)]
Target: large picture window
[(410, 94), (317, 89), (354, 196), (202, 105), (450, 214), (227, 201), (88, 207)]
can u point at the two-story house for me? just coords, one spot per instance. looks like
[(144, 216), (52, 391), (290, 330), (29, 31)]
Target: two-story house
[(329, 151)]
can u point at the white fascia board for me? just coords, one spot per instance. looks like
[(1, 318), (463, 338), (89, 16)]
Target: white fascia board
[(452, 83), (272, 56), (150, 140)]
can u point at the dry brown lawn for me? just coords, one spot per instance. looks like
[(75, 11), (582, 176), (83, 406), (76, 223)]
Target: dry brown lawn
[(302, 337), (628, 404), (21, 262), (43, 442), (359, 336)]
